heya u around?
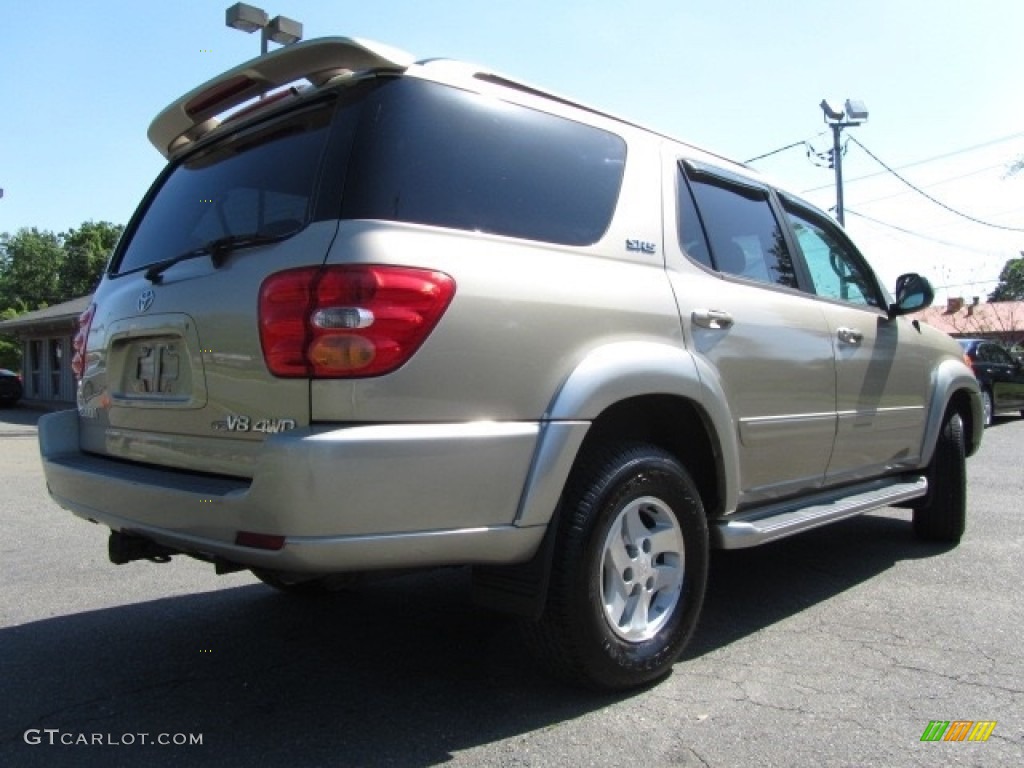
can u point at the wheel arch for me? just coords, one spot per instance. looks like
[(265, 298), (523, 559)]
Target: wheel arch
[(675, 424), (638, 391), (626, 392), (956, 388)]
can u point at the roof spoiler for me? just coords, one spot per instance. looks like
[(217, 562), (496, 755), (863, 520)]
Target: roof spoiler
[(318, 61)]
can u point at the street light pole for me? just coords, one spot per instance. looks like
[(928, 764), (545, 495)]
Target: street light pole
[(837, 161), (853, 114)]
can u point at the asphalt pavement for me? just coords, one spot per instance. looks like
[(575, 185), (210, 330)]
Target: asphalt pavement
[(835, 648)]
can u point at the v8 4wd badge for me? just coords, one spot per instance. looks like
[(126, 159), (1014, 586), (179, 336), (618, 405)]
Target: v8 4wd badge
[(245, 424)]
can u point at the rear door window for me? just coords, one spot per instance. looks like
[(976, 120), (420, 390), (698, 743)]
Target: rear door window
[(692, 238), (744, 236)]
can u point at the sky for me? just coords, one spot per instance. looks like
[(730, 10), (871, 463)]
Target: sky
[(941, 80)]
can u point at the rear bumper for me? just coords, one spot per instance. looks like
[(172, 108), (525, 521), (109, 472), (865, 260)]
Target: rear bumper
[(345, 499)]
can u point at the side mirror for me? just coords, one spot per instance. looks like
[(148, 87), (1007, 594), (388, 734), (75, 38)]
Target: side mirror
[(913, 293)]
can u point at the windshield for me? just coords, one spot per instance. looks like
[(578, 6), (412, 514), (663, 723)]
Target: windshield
[(260, 181)]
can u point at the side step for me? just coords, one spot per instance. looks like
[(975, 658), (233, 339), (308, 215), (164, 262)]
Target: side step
[(759, 526)]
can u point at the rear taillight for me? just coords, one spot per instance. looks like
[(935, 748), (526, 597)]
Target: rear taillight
[(348, 321), (81, 341), (970, 363)]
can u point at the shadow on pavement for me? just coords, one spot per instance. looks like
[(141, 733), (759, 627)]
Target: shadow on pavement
[(404, 672), (751, 589), (20, 415)]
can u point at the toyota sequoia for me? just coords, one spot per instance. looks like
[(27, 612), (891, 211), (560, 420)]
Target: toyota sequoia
[(379, 314)]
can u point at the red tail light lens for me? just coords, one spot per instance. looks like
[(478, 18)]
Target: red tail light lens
[(223, 93), (81, 341), (348, 321)]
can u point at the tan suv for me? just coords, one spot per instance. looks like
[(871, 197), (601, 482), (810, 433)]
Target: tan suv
[(401, 314)]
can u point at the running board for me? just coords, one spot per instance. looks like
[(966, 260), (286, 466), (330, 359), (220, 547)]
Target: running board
[(764, 524)]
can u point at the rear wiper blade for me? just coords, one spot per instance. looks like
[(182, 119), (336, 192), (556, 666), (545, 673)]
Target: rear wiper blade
[(217, 249)]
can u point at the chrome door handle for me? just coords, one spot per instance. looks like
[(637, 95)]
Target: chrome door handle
[(716, 319), (850, 335)]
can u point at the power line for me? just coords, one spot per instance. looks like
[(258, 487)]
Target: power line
[(954, 153), (929, 197), (912, 233), (776, 151), (962, 285), (933, 184)]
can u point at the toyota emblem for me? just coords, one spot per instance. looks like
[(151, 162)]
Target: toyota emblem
[(146, 299)]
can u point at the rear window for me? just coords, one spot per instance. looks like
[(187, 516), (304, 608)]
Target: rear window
[(259, 181), (990, 353), (402, 150), (431, 154)]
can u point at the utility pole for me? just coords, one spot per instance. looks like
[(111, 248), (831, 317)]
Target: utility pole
[(853, 114), (837, 163)]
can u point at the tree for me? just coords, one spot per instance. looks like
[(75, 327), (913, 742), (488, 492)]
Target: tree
[(39, 268), (1011, 282), (30, 263), (86, 251), (10, 349)]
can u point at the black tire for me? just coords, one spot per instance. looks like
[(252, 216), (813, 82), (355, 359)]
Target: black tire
[(987, 407), (585, 634), (942, 516), (320, 585)]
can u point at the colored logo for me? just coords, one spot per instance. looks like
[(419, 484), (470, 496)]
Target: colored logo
[(958, 730)]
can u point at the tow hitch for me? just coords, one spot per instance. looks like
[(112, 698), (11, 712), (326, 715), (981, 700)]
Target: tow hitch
[(124, 548)]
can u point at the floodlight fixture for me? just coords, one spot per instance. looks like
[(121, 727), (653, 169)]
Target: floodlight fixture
[(283, 30), (853, 112), (247, 18), (856, 111), (831, 113)]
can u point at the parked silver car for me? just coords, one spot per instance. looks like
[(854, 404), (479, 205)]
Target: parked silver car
[(417, 314)]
